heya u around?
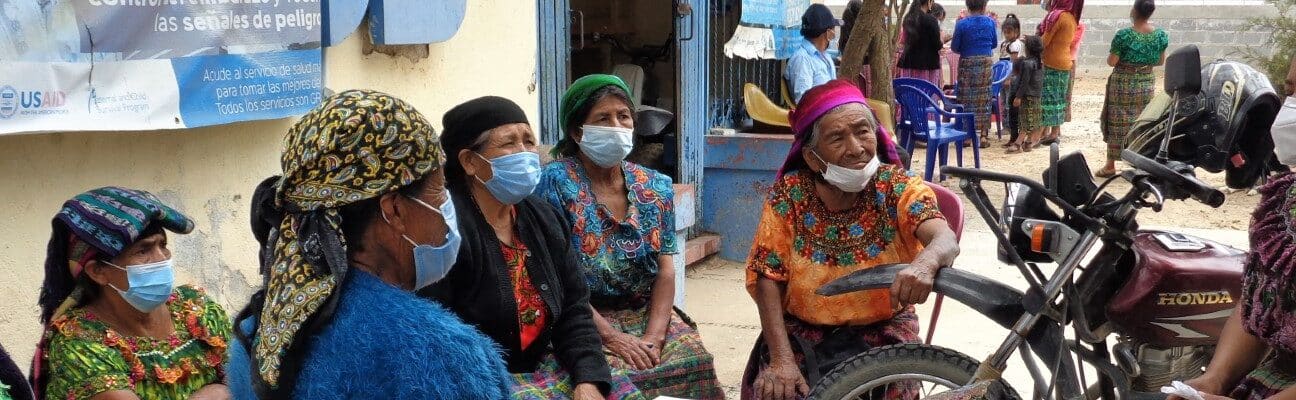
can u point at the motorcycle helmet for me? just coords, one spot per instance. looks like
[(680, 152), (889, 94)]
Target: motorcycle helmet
[(1223, 128)]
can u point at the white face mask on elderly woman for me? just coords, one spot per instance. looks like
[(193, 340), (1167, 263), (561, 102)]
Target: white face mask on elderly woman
[(846, 179), (1284, 133)]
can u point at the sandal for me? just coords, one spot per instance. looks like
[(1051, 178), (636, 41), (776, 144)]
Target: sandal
[(1013, 148), (1105, 173), (1049, 140), (985, 141), (1026, 146)]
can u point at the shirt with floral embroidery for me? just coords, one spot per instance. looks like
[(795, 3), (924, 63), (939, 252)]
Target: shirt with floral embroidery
[(800, 242), (532, 313), (87, 357), (619, 258)]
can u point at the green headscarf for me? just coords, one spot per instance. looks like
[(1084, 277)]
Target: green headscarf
[(577, 96)]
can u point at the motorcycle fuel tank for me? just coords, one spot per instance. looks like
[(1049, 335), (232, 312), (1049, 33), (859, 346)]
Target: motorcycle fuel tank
[(1181, 290)]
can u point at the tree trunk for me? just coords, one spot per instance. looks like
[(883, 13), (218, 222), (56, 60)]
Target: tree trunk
[(870, 36)]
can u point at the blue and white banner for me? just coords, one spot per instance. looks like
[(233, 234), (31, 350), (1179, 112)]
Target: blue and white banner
[(76, 65), (769, 29)]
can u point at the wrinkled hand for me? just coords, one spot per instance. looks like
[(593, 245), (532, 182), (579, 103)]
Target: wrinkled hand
[(654, 343), (1017, 102), (912, 285), (586, 391), (781, 381), (631, 349)]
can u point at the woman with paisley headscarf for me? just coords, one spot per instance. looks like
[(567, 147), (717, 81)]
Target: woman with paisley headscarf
[(364, 219), (622, 218), (518, 279), (116, 325)]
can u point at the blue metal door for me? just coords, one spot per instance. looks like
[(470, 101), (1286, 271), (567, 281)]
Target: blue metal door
[(693, 95), (553, 52)]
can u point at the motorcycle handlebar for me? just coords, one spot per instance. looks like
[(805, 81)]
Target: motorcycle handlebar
[(1199, 190)]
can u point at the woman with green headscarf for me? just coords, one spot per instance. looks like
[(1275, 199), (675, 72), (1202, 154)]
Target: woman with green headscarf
[(359, 220), (622, 219)]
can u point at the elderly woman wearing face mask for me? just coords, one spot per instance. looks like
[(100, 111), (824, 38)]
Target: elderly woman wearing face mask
[(837, 207), (1256, 355), (117, 327), (517, 278), (360, 218), (623, 229)]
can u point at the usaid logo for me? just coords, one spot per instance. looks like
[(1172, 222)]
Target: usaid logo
[(8, 101)]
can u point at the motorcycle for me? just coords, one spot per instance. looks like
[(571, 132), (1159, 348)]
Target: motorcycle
[(1145, 310)]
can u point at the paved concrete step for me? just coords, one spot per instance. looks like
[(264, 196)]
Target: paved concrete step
[(700, 248)]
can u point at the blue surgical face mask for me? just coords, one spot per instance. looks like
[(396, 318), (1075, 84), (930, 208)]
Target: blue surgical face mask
[(433, 263), (150, 284), (606, 146), (513, 176)]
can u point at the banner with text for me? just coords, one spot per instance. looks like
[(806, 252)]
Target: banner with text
[(85, 65)]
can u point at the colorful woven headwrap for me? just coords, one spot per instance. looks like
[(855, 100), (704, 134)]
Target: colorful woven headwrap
[(356, 145), (577, 95), (99, 223), (818, 101)]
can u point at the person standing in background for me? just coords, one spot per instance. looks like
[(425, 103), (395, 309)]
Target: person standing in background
[(920, 57), (810, 65), (975, 39), (1134, 52), (1059, 32)]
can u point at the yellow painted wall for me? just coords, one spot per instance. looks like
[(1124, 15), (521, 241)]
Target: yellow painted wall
[(209, 173)]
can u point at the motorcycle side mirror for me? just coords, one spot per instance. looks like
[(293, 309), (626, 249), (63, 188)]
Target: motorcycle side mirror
[(1183, 71)]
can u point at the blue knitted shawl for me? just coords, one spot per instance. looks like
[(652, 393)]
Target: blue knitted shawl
[(385, 342)]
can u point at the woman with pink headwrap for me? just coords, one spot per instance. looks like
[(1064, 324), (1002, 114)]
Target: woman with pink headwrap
[(838, 206)]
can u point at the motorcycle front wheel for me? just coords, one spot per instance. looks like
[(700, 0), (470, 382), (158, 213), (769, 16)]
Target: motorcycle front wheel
[(874, 373)]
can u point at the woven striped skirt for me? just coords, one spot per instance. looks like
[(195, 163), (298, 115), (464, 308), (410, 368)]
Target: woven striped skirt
[(1054, 98), (929, 75), (819, 349), (551, 381), (1276, 373), (1129, 89), (1028, 115), (686, 370), (974, 88)]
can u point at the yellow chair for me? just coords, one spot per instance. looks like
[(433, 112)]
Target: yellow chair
[(763, 110)]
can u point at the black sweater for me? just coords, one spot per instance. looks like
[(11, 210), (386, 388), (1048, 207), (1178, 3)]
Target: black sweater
[(922, 48), (480, 290), (1028, 80)]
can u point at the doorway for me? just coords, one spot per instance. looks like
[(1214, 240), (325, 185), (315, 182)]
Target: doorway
[(657, 46)]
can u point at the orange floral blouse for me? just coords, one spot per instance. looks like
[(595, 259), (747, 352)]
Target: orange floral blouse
[(803, 244)]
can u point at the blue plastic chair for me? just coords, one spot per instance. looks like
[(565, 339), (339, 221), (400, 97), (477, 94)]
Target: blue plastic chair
[(911, 110), (999, 74), (939, 135)]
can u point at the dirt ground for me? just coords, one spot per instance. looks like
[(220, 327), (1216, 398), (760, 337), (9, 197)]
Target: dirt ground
[(1084, 135), (726, 316)]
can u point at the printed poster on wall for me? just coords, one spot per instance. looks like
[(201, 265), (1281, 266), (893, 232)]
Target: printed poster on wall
[(768, 29), (87, 65)]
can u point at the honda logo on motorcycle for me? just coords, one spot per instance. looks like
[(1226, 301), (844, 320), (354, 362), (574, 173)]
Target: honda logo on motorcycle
[(1192, 299)]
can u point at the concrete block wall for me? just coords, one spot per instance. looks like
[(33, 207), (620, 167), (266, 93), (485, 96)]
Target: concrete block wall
[(1219, 31)]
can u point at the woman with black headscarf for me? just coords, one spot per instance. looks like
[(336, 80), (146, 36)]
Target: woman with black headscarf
[(359, 219), (517, 277)]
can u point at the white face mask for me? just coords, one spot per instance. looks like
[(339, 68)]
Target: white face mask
[(846, 179), (1284, 133)]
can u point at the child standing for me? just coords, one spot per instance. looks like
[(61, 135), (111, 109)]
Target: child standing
[(1028, 84), (1134, 51), (975, 39), (1012, 43)]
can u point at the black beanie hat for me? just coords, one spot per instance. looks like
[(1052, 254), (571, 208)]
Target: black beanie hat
[(465, 123)]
